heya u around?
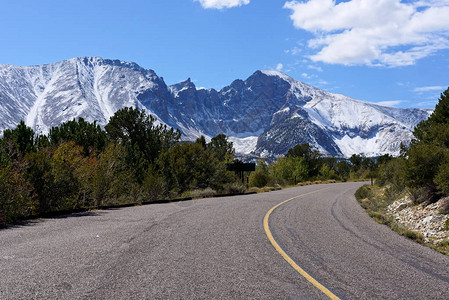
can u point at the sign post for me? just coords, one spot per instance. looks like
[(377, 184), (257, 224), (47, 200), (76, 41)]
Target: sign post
[(240, 168), (2, 219)]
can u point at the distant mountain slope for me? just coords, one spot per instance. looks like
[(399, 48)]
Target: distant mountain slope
[(47, 95), (266, 114), (283, 112)]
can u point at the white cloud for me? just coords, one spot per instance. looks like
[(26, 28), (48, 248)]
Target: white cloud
[(323, 82), (371, 32), (424, 89), (220, 4), (319, 69), (392, 103), (436, 3), (295, 50), (279, 67), (308, 76), (427, 104)]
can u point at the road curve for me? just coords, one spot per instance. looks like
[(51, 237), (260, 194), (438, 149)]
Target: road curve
[(218, 248)]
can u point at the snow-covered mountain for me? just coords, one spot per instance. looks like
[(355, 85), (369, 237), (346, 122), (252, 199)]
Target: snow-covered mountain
[(93, 88), (266, 114)]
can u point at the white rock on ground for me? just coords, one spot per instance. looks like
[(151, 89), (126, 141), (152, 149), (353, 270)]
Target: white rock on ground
[(426, 219)]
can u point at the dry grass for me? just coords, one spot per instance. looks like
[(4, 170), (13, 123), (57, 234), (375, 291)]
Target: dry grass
[(375, 200)]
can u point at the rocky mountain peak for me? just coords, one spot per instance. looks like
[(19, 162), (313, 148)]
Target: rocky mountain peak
[(264, 114), (182, 86), (98, 61)]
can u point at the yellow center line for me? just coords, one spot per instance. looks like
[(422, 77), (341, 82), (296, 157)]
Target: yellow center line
[(285, 255)]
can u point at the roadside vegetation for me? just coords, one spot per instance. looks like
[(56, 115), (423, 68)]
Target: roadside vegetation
[(80, 166), (421, 172), (376, 199), (303, 165)]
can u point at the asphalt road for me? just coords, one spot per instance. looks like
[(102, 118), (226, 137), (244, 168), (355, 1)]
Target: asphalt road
[(218, 248)]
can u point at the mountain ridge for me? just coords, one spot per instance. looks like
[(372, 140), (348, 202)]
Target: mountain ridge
[(263, 115)]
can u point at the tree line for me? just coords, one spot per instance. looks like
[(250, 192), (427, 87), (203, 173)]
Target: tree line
[(303, 163), (78, 165), (135, 159), (422, 169)]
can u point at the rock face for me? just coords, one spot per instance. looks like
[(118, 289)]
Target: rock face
[(425, 219), (266, 114), (289, 132)]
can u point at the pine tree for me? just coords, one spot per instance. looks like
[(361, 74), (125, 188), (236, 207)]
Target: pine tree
[(88, 135), (435, 128), (143, 139), (18, 141)]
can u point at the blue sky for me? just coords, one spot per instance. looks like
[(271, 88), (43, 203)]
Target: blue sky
[(385, 51)]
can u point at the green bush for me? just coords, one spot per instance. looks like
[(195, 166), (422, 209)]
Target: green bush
[(234, 188), (268, 189), (64, 163), (393, 172), (391, 193), (423, 165), (255, 190), (114, 181), (16, 199), (422, 194), (287, 169), (441, 180), (153, 186), (202, 193), (413, 235), (191, 166), (144, 141), (363, 192), (444, 243), (88, 135), (379, 217), (259, 178)]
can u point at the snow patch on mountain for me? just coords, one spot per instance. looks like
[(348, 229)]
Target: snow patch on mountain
[(89, 87), (277, 74), (267, 113), (244, 145)]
